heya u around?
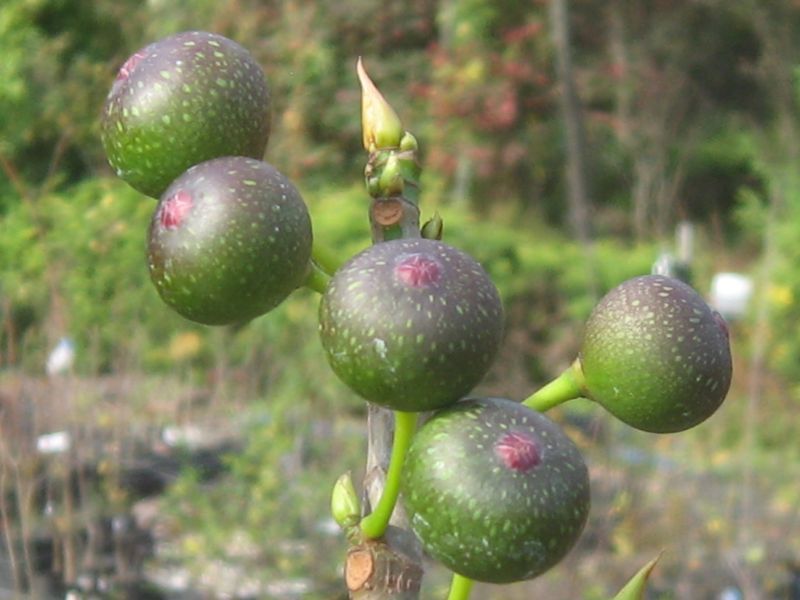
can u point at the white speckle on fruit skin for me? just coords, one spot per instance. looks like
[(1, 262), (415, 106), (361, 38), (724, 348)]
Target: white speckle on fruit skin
[(380, 347)]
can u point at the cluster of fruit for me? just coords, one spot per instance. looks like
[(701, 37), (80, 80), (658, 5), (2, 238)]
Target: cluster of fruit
[(495, 490), (187, 120)]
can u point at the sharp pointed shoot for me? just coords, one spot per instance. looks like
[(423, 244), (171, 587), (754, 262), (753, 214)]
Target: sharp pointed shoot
[(636, 586), (381, 127)]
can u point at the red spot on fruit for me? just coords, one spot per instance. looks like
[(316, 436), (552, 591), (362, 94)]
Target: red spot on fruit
[(130, 64), (417, 270), (518, 451), (175, 209)]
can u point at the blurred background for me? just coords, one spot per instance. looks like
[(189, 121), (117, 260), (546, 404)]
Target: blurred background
[(568, 146)]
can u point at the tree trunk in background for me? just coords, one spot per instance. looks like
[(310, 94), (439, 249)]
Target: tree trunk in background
[(621, 65), (572, 114), (576, 145), (655, 120)]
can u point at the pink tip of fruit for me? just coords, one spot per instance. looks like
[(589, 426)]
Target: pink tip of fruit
[(417, 270), (518, 451), (130, 64), (175, 209)]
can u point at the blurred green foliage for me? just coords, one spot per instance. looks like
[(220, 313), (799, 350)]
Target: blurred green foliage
[(76, 259), (474, 79)]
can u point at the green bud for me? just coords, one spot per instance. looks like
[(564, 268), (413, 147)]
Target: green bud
[(345, 507), (381, 127), (391, 177), (433, 227), (373, 186), (408, 143)]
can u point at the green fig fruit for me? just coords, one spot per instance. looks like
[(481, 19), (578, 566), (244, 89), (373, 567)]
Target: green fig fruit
[(229, 240), (180, 101), (656, 355), (494, 490), (411, 324)]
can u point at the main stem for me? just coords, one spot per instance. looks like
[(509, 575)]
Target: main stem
[(389, 567)]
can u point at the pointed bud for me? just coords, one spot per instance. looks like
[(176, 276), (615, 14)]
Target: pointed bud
[(637, 586), (408, 143), (380, 124), (345, 507), (433, 227)]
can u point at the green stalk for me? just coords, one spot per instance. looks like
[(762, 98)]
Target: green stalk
[(567, 386), (460, 587), (316, 279), (326, 258), (374, 525)]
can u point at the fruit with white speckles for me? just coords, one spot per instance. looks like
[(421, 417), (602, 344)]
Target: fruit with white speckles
[(411, 324), (180, 101), (494, 490), (229, 240), (656, 355)]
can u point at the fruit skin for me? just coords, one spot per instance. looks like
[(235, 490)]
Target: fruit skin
[(411, 324), (229, 240), (656, 355), (488, 514), (180, 101)]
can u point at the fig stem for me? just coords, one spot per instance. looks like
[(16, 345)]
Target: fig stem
[(374, 525), (326, 258), (460, 587), (567, 386), (316, 279)]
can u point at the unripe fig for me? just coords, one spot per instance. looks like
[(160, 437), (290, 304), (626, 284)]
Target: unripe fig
[(229, 240), (494, 490), (656, 355), (180, 101), (411, 324)]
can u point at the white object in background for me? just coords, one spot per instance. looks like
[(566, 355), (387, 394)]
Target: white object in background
[(61, 358), (187, 436), (730, 593), (684, 241), (730, 294), (664, 265), (57, 442)]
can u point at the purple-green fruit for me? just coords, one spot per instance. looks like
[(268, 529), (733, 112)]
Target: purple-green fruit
[(411, 324), (656, 355), (229, 240), (180, 101), (495, 491)]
